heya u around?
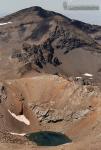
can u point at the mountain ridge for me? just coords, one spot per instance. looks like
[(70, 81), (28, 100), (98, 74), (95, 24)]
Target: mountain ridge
[(41, 38), (50, 80)]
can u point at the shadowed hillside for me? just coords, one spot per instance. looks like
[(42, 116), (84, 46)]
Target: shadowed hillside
[(47, 42)]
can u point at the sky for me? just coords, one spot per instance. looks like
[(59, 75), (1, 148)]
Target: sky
[(93, 17)]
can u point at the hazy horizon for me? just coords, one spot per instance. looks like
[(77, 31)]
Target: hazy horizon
[(11, 6)]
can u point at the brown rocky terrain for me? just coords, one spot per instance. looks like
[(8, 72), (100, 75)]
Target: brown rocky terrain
[(48, 42), (50, 103), (50, 80)]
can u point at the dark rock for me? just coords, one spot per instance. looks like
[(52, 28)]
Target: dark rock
[(56, 61), (26, 46), (3, 95), (38, 63), (50, 57)]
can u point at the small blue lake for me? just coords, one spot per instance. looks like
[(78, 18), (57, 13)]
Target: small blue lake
[(48, 138)]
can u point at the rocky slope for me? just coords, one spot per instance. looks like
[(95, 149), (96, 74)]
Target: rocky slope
[(34, 44), (47, 42), (61, 105)]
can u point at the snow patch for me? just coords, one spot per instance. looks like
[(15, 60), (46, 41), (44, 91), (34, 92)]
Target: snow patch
[(20, 118), (21, 134), (78, 77), (10, 58), (9, 82), (2, 24), (91, 78), (88, 75)]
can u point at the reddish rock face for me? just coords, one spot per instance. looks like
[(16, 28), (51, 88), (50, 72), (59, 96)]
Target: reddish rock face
[(51, 103)]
